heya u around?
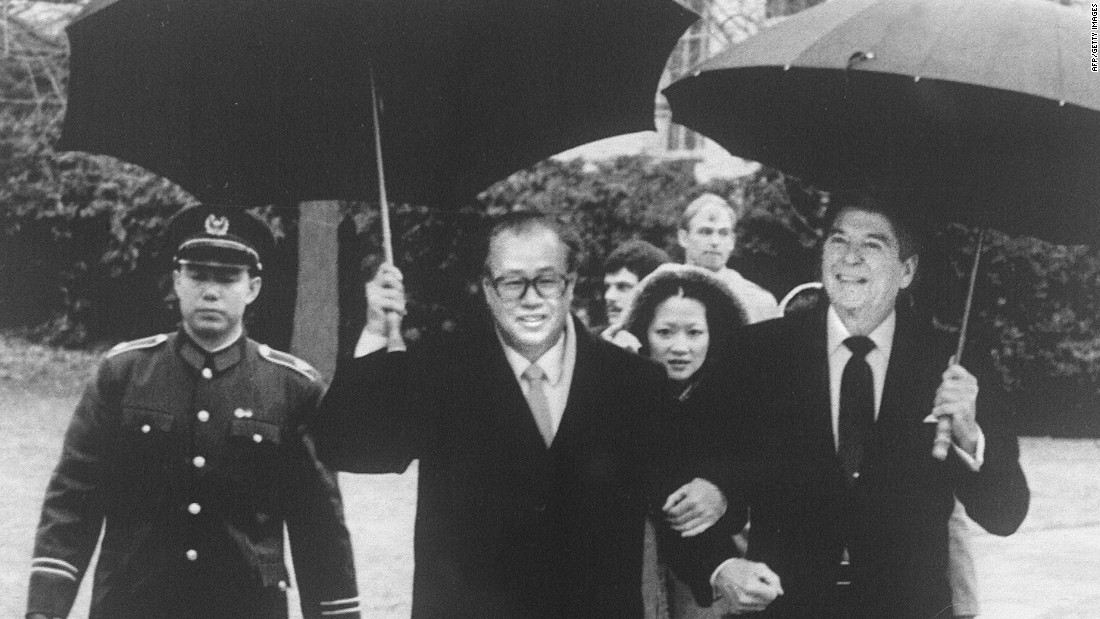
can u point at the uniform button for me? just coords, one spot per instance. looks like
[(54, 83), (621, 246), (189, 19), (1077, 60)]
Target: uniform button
[(855, 475), (282, 585), (207, 373), (199, 462), (256, 438), (194, 508), (192, 555), (145, 429), (204, 416)]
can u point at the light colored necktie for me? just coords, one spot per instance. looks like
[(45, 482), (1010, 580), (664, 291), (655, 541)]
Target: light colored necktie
[(539, 403)]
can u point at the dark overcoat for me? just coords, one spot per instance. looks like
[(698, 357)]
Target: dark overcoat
[(894, 521), (506, 527)]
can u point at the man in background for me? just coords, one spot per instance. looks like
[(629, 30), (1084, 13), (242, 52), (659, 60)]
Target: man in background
[(707, 236), (623, 269)]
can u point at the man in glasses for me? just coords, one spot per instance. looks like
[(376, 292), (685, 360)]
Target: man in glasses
[(535, 440)]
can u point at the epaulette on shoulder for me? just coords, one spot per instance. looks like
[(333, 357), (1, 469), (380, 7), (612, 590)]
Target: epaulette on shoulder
[(145, 342), (290, 361)]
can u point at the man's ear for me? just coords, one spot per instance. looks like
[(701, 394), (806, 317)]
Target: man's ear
[(176, 276), (254, 285), (910, 270), (681, 237)]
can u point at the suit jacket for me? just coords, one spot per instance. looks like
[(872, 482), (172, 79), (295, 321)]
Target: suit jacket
[(893, 522), (506, 527)]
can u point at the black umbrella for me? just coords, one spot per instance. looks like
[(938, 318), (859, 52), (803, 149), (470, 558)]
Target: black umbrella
[(260, 101), (987, 109), (990, 108)]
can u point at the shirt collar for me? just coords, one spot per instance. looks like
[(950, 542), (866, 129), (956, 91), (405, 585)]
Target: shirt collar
[(882, 336), (552, 361), (198, 358)]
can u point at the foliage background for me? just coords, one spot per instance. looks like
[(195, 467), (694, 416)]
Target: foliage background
[(82, 261)]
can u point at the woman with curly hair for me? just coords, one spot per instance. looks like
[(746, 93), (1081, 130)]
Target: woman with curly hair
[(684, 317)]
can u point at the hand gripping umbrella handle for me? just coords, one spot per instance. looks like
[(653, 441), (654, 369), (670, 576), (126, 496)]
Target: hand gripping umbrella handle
[(943, 425)]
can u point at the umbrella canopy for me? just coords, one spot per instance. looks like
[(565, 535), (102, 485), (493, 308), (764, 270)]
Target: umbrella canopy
[(260, 101), (990, 108)]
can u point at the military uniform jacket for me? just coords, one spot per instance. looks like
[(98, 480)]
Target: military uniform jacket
[(191, 463)]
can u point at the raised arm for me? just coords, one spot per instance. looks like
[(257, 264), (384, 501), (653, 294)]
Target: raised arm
[(991, 486), (371, 418)]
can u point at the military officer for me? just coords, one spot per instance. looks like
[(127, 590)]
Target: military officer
[(190, 451)]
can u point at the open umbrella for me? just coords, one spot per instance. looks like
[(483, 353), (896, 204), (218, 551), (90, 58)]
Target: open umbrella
[(988, 109), (991, 108), (260, 101)]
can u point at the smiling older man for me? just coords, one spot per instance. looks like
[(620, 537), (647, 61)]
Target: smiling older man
[(536, 441), (849, 506)]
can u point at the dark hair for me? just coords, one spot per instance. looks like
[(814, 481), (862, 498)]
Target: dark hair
[(898, 208), (725, 313), (522, 222), (636, 256)]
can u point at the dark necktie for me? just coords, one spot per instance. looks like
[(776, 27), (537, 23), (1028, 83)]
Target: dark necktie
[(857, 405)]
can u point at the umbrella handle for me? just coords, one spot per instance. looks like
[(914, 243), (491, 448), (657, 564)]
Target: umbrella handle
[(943, 425)]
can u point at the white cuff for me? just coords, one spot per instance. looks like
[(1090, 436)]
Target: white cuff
[(974, 463), (369, 342), (714, 576)]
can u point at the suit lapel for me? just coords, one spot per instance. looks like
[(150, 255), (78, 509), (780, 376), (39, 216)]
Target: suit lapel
[(581, 386), (814, 371), (903, 405), (903, 371), (504, 400)]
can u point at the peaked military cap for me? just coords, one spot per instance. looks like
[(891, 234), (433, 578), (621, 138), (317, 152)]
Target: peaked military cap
[(219, 235)]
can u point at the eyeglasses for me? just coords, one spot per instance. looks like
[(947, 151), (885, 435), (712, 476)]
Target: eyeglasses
[(511, 288)]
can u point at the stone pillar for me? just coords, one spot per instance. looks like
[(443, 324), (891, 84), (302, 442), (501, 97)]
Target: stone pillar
[(316, 309)]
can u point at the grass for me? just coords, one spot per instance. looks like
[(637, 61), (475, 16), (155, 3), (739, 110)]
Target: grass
[(39, 387)]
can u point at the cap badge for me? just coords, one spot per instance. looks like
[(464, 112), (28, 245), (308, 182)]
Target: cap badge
[(217, 226)]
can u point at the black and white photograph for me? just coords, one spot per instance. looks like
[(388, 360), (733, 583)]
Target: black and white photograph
[(550, 309)]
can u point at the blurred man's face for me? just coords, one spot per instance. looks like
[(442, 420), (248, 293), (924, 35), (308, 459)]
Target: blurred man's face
[(862, 269), (532, 264), (617, 287), (708, 240), (212, 300)]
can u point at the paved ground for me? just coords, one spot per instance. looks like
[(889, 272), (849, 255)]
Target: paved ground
[(1048, 570)]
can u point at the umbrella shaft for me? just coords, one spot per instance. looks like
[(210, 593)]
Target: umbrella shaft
[(969, 297), (383, 203)]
